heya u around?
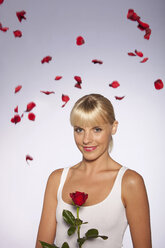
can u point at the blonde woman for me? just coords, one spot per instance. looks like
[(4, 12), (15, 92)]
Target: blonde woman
[(117, 195)]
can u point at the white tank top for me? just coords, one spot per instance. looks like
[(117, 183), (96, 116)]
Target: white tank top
[(108, 217)]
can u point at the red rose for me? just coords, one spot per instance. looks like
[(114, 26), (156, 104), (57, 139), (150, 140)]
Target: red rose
[(79, 198)]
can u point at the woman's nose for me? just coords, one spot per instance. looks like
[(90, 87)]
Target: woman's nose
[(87, 138)]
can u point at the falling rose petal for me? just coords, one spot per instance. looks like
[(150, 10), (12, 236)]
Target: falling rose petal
[(47, 92), (4, 29), (16, 109), (138, 53), (119, 97), (31, 117), (18, 88), (147, 34), (158, 84), (58, 77), (78, 85), (30, 106), (78, 79), (1, 1), (80, 40), (114, 84), (46, 59), (22, 115), (131, 15), (16, 119), (28, 157), (142, 25), (65, 99), (96, 61), (17, 33), (131, 54), (144, 60), (21, 15)]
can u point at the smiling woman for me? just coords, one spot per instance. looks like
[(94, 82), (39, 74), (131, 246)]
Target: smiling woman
[(96, 111), (116, 195)]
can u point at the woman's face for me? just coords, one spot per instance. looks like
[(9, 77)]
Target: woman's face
[(93, 141)]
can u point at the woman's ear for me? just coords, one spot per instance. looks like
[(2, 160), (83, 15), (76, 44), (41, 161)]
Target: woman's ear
[(114, 127)]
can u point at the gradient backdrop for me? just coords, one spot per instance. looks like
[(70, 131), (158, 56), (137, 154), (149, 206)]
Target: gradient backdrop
[(51, 28)]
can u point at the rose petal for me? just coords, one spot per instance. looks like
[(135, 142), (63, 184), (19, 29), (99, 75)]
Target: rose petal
[(30, 106), (80, 40), (78, 79), (21, 15), (65, 99), (1, 1), (31, 117), (46, 59), (16, 119), (140, 54), (58, 77), (144, 60), (131, 15), (119, 97), (78, 85), (17, 33), (142, 25), (28, 157), (131, 54), (114, 84), (147, 34), (16, 109), (158, 84), (47, 92), (4, 29), (18, 88), (96, 61)]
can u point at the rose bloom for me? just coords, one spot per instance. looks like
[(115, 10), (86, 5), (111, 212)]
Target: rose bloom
[(79, 198)]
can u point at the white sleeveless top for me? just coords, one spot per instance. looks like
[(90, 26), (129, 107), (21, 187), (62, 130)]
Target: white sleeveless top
[(108, 217)]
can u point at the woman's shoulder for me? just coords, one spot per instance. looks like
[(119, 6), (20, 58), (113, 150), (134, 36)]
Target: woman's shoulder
[(56, 173), (132, 178), (54, 178), (132, 185)]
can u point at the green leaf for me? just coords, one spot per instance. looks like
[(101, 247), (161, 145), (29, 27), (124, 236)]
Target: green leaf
[(92, 233), (65, 245), (71, 230), (81, 241), (85, 223), (68, 217), (78, 222), (46, 245), (103, 237)]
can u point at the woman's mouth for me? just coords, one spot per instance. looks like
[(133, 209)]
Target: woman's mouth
[(89, 148)]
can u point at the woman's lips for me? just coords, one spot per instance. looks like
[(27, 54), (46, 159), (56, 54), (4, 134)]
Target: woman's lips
[(89, 148)]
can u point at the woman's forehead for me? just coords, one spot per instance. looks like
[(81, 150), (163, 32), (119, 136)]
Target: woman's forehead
[(90, 124)]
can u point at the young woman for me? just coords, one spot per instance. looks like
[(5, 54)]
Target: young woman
[(116, 195)]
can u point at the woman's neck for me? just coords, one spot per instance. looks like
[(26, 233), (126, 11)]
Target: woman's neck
[(94, 166)]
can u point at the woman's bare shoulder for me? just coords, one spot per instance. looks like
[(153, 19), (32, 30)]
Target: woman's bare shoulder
[(54, 179), (56, 173), (132, 178), (133, 186)]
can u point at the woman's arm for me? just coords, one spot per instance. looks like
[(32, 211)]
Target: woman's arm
[(47, 226), (137, 209)]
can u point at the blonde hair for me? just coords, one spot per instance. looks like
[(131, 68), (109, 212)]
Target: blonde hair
[(92, 109)]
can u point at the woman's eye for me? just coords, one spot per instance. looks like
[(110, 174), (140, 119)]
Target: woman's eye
[(97, 129), (78, 130)]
